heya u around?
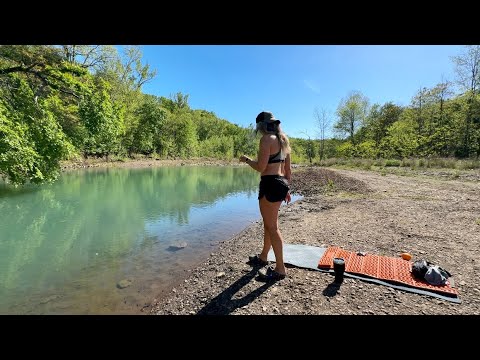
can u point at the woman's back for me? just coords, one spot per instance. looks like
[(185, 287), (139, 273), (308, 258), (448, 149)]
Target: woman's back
[(276, 156)]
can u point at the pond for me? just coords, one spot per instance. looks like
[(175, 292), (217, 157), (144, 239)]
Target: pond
[(107, 241)]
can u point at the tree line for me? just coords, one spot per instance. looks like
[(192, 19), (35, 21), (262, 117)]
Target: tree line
[(439, 122), (62, 102)]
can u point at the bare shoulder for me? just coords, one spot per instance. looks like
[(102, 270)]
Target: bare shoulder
[(268, 139)]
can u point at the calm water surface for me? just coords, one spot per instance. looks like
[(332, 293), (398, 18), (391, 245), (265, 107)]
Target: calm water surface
[(107, 241)]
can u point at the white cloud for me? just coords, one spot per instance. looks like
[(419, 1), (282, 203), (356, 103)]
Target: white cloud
[(312, 86)]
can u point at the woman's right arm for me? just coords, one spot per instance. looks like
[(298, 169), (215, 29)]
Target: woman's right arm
[(262, 159)]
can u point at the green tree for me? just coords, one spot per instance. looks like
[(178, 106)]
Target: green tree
[(178, 136), (31, 141), (102, 121), (379, 120), (401, 140), (351, 112), (467, 68), (146, 133), (309, 147), (127, 74)]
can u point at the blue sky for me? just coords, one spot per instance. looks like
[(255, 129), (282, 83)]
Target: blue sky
[(236, 82)]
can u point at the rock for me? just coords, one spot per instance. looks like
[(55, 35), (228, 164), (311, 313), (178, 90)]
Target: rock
[(48, 299), (220, 274), (177, 246), (122, 284)]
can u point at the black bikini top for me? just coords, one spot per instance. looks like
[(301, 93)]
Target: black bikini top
[(278, 157)]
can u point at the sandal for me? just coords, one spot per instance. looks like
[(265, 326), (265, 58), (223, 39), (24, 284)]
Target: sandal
[(270, 275), (255, 260)]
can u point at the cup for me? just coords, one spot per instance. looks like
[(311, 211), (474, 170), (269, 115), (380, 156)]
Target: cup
[(339, 269)]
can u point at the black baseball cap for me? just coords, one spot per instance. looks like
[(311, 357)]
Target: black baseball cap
[(267, 117)]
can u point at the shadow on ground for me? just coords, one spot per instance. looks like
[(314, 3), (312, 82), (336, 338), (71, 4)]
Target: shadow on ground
[(331, 290), (223, 304)]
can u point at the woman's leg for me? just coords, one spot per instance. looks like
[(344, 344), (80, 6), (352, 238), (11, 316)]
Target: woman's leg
[(269, 211), (267, 244)]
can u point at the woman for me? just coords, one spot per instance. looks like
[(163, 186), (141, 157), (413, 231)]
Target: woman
[(273, 163)]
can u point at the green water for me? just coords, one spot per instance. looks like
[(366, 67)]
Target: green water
[(65, 247)]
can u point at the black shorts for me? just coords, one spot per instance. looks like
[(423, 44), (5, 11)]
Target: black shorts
[(274, 187)]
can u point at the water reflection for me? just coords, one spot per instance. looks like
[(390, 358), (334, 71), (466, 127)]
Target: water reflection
[(92, 227)]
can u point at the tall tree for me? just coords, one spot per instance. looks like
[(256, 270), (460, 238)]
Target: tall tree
[(467, 69), (439, 124), (380, 119), (310, 147), (127, 74), (95, 57), (418, 103), (322, 123), (150, 117), (103, 121), (351, 112)]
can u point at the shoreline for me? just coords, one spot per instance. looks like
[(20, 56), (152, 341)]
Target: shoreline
[(141, 163)]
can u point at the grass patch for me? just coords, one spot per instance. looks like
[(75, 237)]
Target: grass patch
[(412, 163), (350, 195), (330, 187)]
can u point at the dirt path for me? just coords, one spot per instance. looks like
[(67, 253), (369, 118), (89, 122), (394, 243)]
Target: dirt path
[(431, 218)]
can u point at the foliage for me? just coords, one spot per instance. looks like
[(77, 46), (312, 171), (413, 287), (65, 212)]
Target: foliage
[(144, 133), (177, 136), (31, 141), (102, 121), (401, 140), (218, 147)]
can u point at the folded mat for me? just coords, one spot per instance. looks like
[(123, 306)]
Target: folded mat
[(382, 270)]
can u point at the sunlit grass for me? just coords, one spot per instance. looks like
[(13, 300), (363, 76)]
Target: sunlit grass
[(407, 163)]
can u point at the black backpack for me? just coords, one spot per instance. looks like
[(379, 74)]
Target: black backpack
[(420, 268)]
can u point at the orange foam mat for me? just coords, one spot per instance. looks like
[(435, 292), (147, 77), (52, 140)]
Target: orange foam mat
[(380, 267)]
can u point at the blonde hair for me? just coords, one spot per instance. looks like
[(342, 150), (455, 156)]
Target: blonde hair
[(278, 132)]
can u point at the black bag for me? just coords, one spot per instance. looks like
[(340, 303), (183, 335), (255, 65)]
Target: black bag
[(420, 268), (436, 275), (433, 274)]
